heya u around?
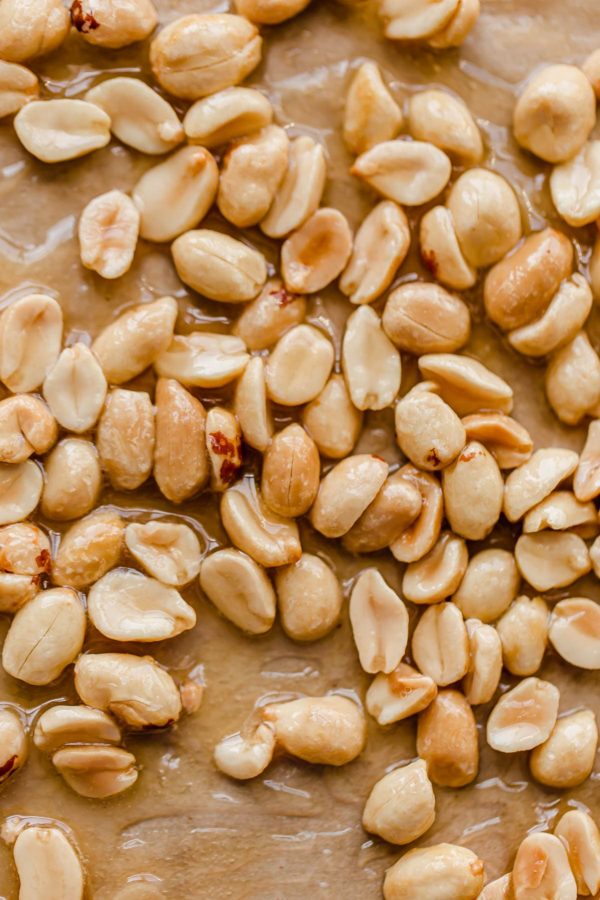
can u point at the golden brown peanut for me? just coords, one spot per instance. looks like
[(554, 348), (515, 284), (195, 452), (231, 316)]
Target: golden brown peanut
[(73, 480), (567, 758), (113, 23), (486, 216), (75, 389), (224, 447), (269, 539), (489, 586), (380, 247), (58, 130), (203, 359), (574, 186), (401, 805), (586, 481), (13, 743), (379, 622), (594, 268), (399, 694), (447, 740), (439, 872), (445, 121), (17, 87), (168, 551), (393, 510), (520, 287), (24, 556), (219, 266), (61, 725), (581, 838), (48, 865), (372, 365), (247, 754), (30, 341), (541, 869), (198, 55), (415, 20), (26, 427), (440, 644), (574, 630), (240, 589), (291, 472), (437, 575), (251, 405), (421, 317), (269, 316), (549, 560), (125, 438), (299, 192), (45, 636), (555, 113), (175, 195), (473, 492), (485, 666), (332, 420), (253, 170), (299, 366), (506, 439), (314, 255), (270, 12), (345, 493), (523, 630), (88, 550), (329, 730), (466, 384), (560, 511), (595, 556), (407, 172), (95, 770), (419, 538), (134, 688), (441, 251), (30, 28), (459, 26), (428, 431), (133, 341), (309, 598), (536, 479), (523, 717), (226, 115), (371, 114), (573, 380), (20, 490), (181, 467)]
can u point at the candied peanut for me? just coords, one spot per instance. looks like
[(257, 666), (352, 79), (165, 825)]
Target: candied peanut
[(536, 479), (329, 730), (299, 192), (134, 688), (372, 365), (199, 54), (181, 466), (253, 170), (314, 255), (226, 115), (408, 172), (332, 420), (73, 480), (486, 216), (473, 491), (219, 266), (394, 509), (428, 431), (440, 644), (20, 490), (441, 251), (26, 426), (555, 113), (498, 889), (270, 540), (299, 366), (575, 632), (240, 589), (88, 550), (30, 340), (168, 551), (447, 740), (591, 68), (30, 28), (581, 838), (523, 717), (75, 389), (345, 493), (203, 359), (466, 384), (567, 758), (549, 560), (415, 20), (438, 574), (17, 87), (24, 556), (175, 195), (113, 23), (575, 186), (489, 585), (566, 314), (246, 755), (541, 869), (401, 805), (421, 317), (594, 268), (251, 405), (506, 439), (379, 622), (399, 694), (440, 871), (96, 770), (380, 247), (559, 511), (586, 481), (48, 865), (419, 538), (270, 12), (61, 725), (485, 666), (269, 316), (309, 598), (573, 380), (371, 114), (595, 557), (125, 438), (459, 26), (45, 636), (58, 130), (224, 447), (133, 341), (13, 743), (445, 120), (523, 630), (291, 472)]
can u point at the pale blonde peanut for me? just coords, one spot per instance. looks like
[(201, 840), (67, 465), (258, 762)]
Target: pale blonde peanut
[(309, 598), (270, 12), (251, 405), (75, 389), (270, 539), (440, 644), (415, 20), (168, 551), (428, 431), (485, 666), (291, 472), (13, 743), (299, 192), (30, 341), (541, 869), (461, 22), (246, 755), (486, 215), (372, 366), (181, 466), (132, 342), (240, 589), (48, 864), (473, 492), (594, 268), (20, 490), (45, 636), (175, 195), (421, 317), (445, 121), (561, 511), (567, 758), (253, 170), (559, 324), (30, 28), (523, 631), (441, 251), (523, 717), (95, 770), (595, 556), (269, 316), (199, 54), (17, 87), (113, 23), (219, 266), (552, 559), (573, 380), (299, 366), (203, 359), (407, 172), (418, 539), (73, 480), (586, 480), (89, 549), (58, 130), (498, 889), (437, 575), (574, 632), (489, 585), (575, 186), (371, 114), (125, 438), (536, 479), (379, 622), (393, 510), (466, 384), (591, 68), (345, 493), (332, 420), (399, 694), (506, 439), (26, 427), (327, 730), (224, 447), (401, 805), (439, 871), (581, 838), (447, 740), (316, 253), (24, 556), (380, 247), (226, 115)]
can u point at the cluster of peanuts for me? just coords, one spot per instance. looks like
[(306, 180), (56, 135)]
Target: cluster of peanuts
[(68, 423)]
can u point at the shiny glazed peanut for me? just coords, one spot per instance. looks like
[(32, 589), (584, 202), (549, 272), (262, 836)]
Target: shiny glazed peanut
[(240, 589), (327, 730), (380, 247), (62, 725), (567, 758), (299, 366), (379, 622), (421, 317), (95, 770), (399, 694), (447, 740), (252, 172), (309, 598), (75, 389), (509, 442), (401, 805), (523, 630), (440, 644), (252, 407), (393, 510), (125, 438), (372, 365), (541, 869), (300, 191), (246, 755), (226, 115), (345, 493), (581, 838), (534, 480), (314, 255), (575, 186), (485, 665), (20, 490), (437, 575), (460, 24), (108, 233), (269, 316), (332, 420), (270, 539), (466, 384), (428, 431), (30, 28), (30, 341), (224, 447), (113, 23), (445, 121), (203, 359), (439, 872), (371, 114), (26, 427), (574, 630), (473, 492), (561, 511), (560, 323), (89, 549), (291, 472), (24, 556), (441, 251), (168, 551), (180, 457), (549, 560), (415, 20), (407, 172), (73, 480), (573, 380), (489, 585), (48, 864), (17, 87), (586, 481), (58, 130), (417, 540), (219, 266), (270, 12), (13, 743), (523, 717)]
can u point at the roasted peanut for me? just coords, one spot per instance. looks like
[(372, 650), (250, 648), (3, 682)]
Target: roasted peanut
[(252, 407), (26, 427), (415, 20), (380, 247), (226, 115), (73, 480), (95, 770), (219, 266), (329, 730), (371, 114), (575, 186), (445, 121), (447, 740), (581, 838), (507, 440), (291, 471), (299, 366), (332, 420), (269, 316), (549, 560), (524, 717), (586, 481), (224, 447), (17, 87), (440, 644), (441, 251), (379, 622), (20, 490), (536, 479), (541, 869), (299, 192), (168, 551), (420, 317), (113, 23), (498, 889), (88, 550), (24, 556), (269, 539), (485, 666), (58, 130), (401, 805), (75, 389), (253, 170), (30, 340), (574, 632), (48, 865), (372, 365), (125, 438), (346, 492), (489, 586), (240, 589), (408, 172), (466, 384), (181, 465), (428, 431), (314, 255), (393, 510), (270, 12), (437, 575), (473, 492), (523, 630), (567, 758), (203, 359), (460, 24), (399, 694), (13, 743), (30, 28), (61, 725), (441, 871), (309, 598), (246, 755), (417, 540), (560, 511), (573, 380)]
